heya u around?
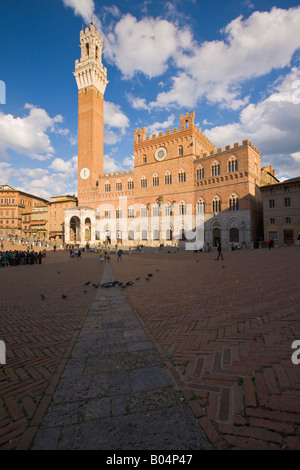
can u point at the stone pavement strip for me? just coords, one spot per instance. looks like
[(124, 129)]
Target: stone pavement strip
[(115, 392)]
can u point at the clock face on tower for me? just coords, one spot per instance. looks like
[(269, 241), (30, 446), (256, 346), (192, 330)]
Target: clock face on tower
[(160, 154), (85, 173)]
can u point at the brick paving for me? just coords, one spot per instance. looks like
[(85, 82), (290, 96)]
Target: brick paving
[(39, 335), (224, 330)]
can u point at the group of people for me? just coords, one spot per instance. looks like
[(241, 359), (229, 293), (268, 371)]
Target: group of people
[(19, 258)]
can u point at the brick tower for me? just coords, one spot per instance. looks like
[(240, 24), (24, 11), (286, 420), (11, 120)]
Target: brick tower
[(91, 79)]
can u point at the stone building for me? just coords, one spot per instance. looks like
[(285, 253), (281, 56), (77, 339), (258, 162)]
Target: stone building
[(182, 188), (56, 216), (281, 209), (13, 204)]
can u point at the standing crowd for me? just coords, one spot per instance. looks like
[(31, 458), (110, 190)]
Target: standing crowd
[(19, 258)]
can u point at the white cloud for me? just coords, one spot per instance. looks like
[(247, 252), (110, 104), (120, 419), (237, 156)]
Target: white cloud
[(68, 167), (115, 123), (85, 9), (159, 126), (129, 162), (143, 46), (271, 125), (28, 135), (251, 48), (58, 178), (110, 164), (137, 103)]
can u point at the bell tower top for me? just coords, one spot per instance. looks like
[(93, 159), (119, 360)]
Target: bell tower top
[(89, 70)]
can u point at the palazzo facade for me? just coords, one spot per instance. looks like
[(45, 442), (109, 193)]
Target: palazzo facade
[(182, 189)]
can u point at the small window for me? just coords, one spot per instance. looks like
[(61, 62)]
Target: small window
[(155, 180), (215, 169), (182, 208), (168, 178), (287, 201), (200, 207), (216, 205), (180, 150), (181, 176), (130, 184), (232, 165), (119, 186), (130, 211), (144, 182), (288, 220), (200, 173), (272, 221), (234, 203), (107, 187), (271, 203)]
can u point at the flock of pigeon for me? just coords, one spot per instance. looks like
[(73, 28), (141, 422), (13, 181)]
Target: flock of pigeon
[(105, 285)]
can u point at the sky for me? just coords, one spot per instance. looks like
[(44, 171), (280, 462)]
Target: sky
[(235, 63)]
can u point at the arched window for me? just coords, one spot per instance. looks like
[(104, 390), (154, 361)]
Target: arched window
[(107, 187), (130, 234), (215, 169), (216, 204), (200, 173), (234, 203), (180, 150), (155, 180), (107, 213), (96, 52), (232, 164), (144, 234), (119, 213), (144, 182), (155, 210), (144, 212), (130, 184), (87, 49), (168, 208), (144, 159), (119, 185), (168, 178), (181, 176), (200, 208), (130, 211), (182, 208)]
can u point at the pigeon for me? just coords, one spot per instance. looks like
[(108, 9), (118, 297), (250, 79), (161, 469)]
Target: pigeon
[(130, 283), (84, 290), (147, 278), (43, 296), (149, 275), (137, 279), (87, 283), (58, 272), (64, 296)]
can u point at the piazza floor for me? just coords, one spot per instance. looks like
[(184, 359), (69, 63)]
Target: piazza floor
[(223, 330)]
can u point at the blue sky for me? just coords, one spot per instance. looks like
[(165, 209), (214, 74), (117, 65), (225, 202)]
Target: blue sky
[(236, 64)]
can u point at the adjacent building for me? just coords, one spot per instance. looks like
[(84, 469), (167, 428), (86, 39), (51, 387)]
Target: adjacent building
[(281, 209), (13, 204), (24, 215)]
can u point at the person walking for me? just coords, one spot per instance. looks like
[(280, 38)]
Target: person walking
[(220, 252), (120, 252)]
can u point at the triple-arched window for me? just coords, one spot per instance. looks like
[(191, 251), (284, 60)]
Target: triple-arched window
[(234, 203), (216, 204), (215, 169), (181, 176), (232, 164)]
